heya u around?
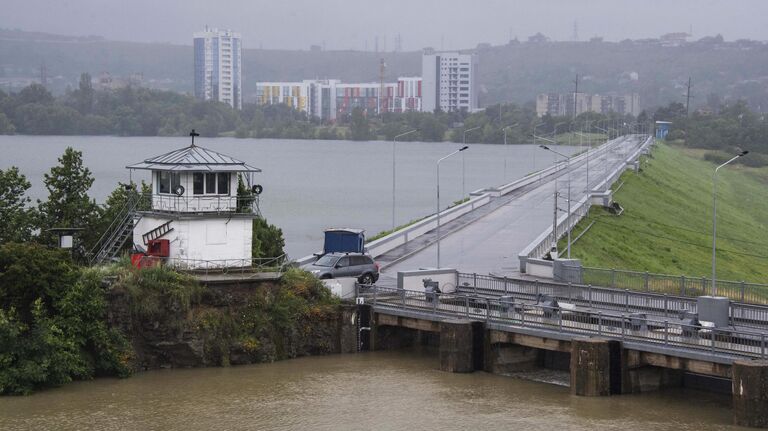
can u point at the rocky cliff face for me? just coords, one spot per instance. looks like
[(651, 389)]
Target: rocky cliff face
[(236, 324)]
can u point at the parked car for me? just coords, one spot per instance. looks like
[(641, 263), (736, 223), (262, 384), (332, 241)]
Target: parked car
[(336, 265)]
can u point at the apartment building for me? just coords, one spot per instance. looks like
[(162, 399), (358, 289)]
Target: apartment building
[(218, 66)]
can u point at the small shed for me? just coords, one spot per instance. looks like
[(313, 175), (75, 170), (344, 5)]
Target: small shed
[(662, 129)]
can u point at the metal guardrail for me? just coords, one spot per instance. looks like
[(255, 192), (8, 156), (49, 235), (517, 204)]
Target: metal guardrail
[(542, 244), (720, 345), (220, 266), (682, 285), (665, 304)]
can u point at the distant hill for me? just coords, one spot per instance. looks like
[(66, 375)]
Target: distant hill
[(515, 72)]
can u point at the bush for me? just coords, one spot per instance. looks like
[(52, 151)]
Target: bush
[(158, 289), (52, 322)]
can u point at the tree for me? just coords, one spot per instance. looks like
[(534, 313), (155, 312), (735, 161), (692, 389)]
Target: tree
[(68, 203), (359, 127), (267, 239), (34, 93), (18, 220), (52, 321), (84, 94), (6, 126)]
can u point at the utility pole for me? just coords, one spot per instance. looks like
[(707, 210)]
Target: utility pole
[(688, 98), (554, 224)]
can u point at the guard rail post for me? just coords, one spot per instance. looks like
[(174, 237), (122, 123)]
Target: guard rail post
[(599, 323), (646, 281), (626, 300), (466, 306)]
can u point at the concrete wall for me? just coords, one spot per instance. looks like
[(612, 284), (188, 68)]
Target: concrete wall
[(540, 268)]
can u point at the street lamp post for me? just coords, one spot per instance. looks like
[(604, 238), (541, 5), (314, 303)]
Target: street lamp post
[(714, 219), (438, 199), (568, 219), (394, 142), (505, 148), (534, 144), (464, 164)]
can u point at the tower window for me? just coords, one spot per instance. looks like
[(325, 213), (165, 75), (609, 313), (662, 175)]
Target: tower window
[(167, 181)]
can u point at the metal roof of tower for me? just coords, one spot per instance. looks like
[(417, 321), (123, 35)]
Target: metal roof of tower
[(194, 158)]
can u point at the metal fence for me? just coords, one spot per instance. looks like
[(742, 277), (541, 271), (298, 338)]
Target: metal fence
[(681, 285), (219, 266), (683, 339), (591, 296)]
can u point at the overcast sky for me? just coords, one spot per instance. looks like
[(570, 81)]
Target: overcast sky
[(354, 24)]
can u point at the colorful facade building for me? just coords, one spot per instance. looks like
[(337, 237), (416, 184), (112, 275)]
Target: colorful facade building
[(331, 99)]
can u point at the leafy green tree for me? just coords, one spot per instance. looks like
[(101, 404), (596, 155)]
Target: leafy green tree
[(68, 203), (18, 219), (85, 94), (34, 93), (267, 239), (52, 321), (6, 126), (358, 126)]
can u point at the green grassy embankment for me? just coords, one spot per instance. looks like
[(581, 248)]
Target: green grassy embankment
[(666, 226)]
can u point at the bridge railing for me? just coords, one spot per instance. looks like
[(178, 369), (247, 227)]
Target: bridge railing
[(682, 285), (548, 319), (588, 296), (614, 298)]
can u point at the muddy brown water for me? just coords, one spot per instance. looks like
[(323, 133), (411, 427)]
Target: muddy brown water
[(370, 391)]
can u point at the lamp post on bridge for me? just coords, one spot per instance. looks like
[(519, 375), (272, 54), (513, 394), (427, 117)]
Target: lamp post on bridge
[(464, 164), (714, 219), (394, 144), (534, 144), (568, 219), (505, 148), (438, 199)]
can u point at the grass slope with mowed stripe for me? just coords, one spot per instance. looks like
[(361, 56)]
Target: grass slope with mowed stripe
[(666, 226)]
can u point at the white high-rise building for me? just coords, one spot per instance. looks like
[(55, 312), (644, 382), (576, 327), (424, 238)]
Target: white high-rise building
[(448, 81), (218, 66)]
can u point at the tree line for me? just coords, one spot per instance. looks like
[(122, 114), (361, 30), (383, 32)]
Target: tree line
[(725, 131), (139, 111)]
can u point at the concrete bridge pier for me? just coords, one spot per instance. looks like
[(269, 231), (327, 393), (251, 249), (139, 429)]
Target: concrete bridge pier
[(750, 393), (595, 368), (461, 346)]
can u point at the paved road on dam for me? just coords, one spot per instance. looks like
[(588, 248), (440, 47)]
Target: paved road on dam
[(499, 231)]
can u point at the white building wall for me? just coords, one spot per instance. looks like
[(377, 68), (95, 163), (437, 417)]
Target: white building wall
[(208, 238), (449, 81)]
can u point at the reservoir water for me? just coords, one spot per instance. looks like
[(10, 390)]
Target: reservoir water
[(369, 391), (308, 185)]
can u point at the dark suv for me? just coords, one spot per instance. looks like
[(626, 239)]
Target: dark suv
[(335, 265)]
